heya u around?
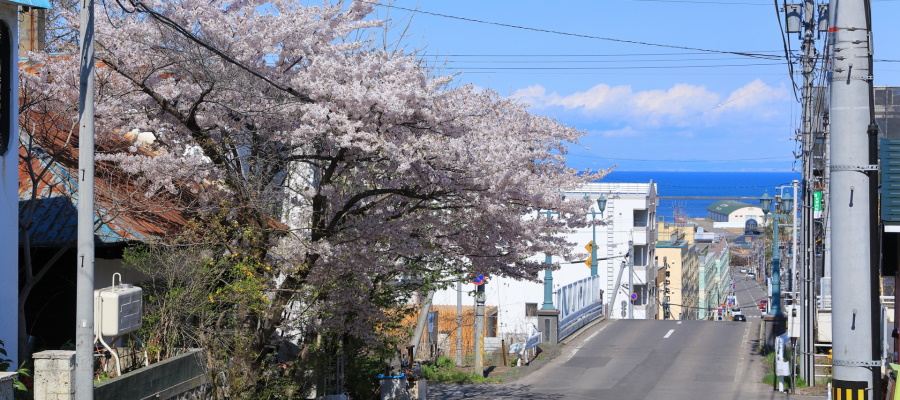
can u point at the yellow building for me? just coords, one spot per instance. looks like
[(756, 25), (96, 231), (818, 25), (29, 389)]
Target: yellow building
[(679, 261)]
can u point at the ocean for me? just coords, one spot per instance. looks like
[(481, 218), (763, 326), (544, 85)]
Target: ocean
[(733, 185)]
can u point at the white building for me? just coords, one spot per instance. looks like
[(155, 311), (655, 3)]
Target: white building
[(630, 215)]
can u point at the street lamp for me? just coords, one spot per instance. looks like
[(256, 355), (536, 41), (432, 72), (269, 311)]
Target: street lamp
[(601, 205), (784, 205), (548, 274)]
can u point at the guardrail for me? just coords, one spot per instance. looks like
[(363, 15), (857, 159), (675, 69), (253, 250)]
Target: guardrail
[(579, 303)]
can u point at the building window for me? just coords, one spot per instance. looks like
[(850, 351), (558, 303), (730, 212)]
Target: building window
[(641, 291), (531, 309)]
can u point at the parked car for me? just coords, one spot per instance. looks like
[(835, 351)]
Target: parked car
[(739, 317), (763, 304)]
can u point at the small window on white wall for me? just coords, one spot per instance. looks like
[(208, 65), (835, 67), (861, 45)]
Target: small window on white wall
[(531, 309)]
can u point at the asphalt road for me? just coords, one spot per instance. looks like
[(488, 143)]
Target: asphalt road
[(647, 359)]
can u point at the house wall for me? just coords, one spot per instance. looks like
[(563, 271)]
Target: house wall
[(9, 201)]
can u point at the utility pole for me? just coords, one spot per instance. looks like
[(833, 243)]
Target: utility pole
[(856, 362), (459, 351), (630, 279), (479, 328), (83, 384), (807, 279)]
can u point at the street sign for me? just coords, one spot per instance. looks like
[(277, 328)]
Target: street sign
[(478, 279), (589, 247), (818, 204), (633, 296)]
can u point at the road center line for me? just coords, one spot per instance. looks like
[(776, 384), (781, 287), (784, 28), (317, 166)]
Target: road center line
[(669, 334)]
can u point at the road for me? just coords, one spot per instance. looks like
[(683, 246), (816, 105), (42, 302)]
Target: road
[(647, 359)]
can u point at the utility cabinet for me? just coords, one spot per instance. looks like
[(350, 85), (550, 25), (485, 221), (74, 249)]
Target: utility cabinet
[(117, 310)]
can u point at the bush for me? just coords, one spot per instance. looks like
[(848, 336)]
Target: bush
[(443, 370)]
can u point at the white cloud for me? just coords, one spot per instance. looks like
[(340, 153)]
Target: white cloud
[(680, 105), (627, 131), (751, 95)]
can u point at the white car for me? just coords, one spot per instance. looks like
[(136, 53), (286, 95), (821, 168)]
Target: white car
[(743, 270)]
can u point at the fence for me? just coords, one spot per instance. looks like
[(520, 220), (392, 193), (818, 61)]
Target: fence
[(579, 303)]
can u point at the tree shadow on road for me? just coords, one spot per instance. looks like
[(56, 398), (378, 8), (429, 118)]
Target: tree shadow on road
[(512, 391)]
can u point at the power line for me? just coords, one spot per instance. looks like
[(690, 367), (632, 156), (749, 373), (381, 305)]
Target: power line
[(705, 2), (634, 60), (774, 55), (583, 36), (684, 161), (626, 67)]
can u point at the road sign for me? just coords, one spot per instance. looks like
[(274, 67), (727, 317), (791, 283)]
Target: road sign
[(478, 279), (633, 296), (589, 247)]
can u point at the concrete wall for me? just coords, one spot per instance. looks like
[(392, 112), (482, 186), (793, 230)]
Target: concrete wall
[(182, 377), (6, 385)]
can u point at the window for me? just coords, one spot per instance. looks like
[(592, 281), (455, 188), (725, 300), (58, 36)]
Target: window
[(641, 291), (531, 309)]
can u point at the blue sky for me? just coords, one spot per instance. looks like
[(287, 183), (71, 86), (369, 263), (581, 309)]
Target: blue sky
[(666, 103)]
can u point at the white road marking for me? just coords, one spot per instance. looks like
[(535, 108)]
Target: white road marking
[(575, 350), (669, 334), (679, 323), (745, 340)]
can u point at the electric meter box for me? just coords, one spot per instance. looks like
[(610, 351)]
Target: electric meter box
[(117, 310)]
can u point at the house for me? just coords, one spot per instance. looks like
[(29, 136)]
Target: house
[(628, 216), (47, 232), (9, 157)]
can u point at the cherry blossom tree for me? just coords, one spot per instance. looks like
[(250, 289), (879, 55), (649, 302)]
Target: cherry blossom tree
[(348, 175)]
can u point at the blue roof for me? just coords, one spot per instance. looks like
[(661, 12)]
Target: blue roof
[(32, 3)]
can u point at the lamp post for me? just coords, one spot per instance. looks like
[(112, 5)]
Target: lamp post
[(548, 274), (601, 205), (784, 205)]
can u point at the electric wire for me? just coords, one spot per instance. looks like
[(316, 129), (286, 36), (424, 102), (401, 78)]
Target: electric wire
[(554, 32), (672, 160), (787, 52), (704, 2), (621, 68), (143, 8)]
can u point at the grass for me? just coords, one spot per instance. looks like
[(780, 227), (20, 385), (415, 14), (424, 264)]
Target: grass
[(443, 370), (769, 367)]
